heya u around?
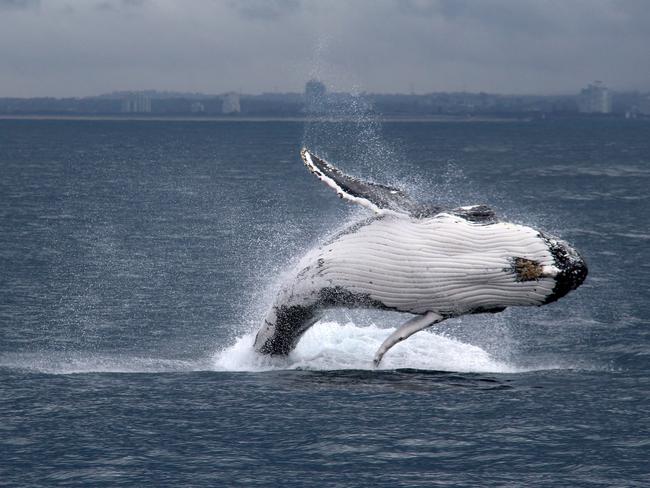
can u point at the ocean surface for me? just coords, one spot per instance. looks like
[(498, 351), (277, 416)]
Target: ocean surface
[(138, 258)]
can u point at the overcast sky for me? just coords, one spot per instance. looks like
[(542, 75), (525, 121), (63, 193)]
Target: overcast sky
[(88, 47)]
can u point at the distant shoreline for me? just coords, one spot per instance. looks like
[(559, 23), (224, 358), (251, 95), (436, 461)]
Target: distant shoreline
[(185, 118)]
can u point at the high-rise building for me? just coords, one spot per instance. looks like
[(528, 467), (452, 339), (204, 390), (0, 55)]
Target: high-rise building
[(136, 103), (595, 99)]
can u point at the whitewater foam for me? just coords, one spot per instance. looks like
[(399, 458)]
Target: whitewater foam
[(334, 346)]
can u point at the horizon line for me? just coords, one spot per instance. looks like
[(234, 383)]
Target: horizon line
[(121, 93)]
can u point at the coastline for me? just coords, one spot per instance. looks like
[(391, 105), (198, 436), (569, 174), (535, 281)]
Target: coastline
[(189, 118)]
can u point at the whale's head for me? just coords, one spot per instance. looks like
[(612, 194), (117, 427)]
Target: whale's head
[(571, 266)]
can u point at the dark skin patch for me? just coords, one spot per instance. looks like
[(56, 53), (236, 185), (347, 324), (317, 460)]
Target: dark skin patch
[(338, 296), (487, 310), (526, 269), (573, 269), (291, 322), (479, 214)]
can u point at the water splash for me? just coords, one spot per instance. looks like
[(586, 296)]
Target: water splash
[(326, 346), (335, 346)]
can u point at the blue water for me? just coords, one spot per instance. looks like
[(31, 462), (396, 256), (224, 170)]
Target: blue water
[(137, 258)]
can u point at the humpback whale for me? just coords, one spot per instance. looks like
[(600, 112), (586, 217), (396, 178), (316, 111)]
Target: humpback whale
[(431, 262)]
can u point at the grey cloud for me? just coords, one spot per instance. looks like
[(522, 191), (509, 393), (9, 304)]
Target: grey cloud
[(115, 5), (506, 46), (531, 17), (18, 4), (265, 9)]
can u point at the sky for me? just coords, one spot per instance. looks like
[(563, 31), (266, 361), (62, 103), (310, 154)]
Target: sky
[(89, 47)]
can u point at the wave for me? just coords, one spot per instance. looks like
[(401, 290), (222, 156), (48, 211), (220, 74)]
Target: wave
[(77, 362), (611, 171)]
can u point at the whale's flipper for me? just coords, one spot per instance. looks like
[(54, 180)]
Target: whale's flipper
[(374, 196), (409, 328)]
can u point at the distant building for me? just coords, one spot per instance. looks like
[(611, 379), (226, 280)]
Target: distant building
[(197, 108), (595, 99), (230, 103), (136, 103), (644, 105), (314, 96)]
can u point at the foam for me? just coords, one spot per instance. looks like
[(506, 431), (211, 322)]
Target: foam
[(334, 346)]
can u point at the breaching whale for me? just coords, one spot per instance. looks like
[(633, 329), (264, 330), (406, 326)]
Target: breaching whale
[(424, 260)]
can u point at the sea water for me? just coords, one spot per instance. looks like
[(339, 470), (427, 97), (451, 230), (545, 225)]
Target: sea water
[(138, 258)]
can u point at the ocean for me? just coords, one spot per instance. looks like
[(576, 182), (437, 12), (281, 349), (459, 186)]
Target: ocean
[(138, 258)]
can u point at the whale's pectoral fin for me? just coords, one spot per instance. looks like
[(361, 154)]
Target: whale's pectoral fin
[(374, 196), (409, 328)]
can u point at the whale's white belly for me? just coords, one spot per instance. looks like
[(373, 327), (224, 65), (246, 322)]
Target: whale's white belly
[(444, 264)]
